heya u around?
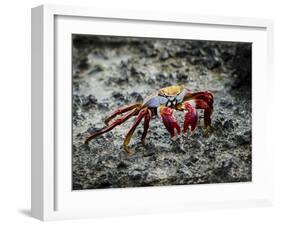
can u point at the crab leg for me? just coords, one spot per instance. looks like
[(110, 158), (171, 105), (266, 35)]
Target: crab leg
[(206, 96), (111, 126), (120, 111), (203, 100), (147, 119), (129, 135), (201, 104), (169, 120), (191, 117)]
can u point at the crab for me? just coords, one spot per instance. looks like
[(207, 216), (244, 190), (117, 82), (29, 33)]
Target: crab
[(163, 104)]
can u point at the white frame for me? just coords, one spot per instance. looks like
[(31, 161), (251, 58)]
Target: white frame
[(44, 157)]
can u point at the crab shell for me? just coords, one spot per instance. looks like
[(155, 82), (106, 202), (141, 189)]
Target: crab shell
[(168, 96)]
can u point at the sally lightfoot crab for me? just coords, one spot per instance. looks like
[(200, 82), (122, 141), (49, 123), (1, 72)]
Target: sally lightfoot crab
[(163, 103)]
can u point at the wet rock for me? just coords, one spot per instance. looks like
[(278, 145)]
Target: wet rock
[(134, 71), (202, 70), (108, 135), (122, 165), (177, 64), (162, 76), (181, 52), (164, 55), (226, 103), (77, 118), (149, 149), (212, 63), (97, 68), (228, 124), (85, 101), (103, 106), (137, 97), (242, 139), (247, 135), (83, 65), (226, 56), (135, 175), (91, 100), (118, 95), (242, 63), (148, 50), (191, 161), (105, 181), (92, 129), (182, 77), (222, 173)]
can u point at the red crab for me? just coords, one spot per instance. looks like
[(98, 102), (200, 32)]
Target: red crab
[(163, 103)]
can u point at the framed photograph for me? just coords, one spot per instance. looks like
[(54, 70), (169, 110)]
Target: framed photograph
[(138, 112)]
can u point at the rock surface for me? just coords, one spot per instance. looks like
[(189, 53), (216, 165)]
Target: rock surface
[(109, 72)]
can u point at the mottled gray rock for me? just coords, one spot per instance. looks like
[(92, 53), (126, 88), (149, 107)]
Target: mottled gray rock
[(112, 72)]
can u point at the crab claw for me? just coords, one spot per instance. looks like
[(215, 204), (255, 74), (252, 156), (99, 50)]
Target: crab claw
[(191, 118), (169, 120)]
